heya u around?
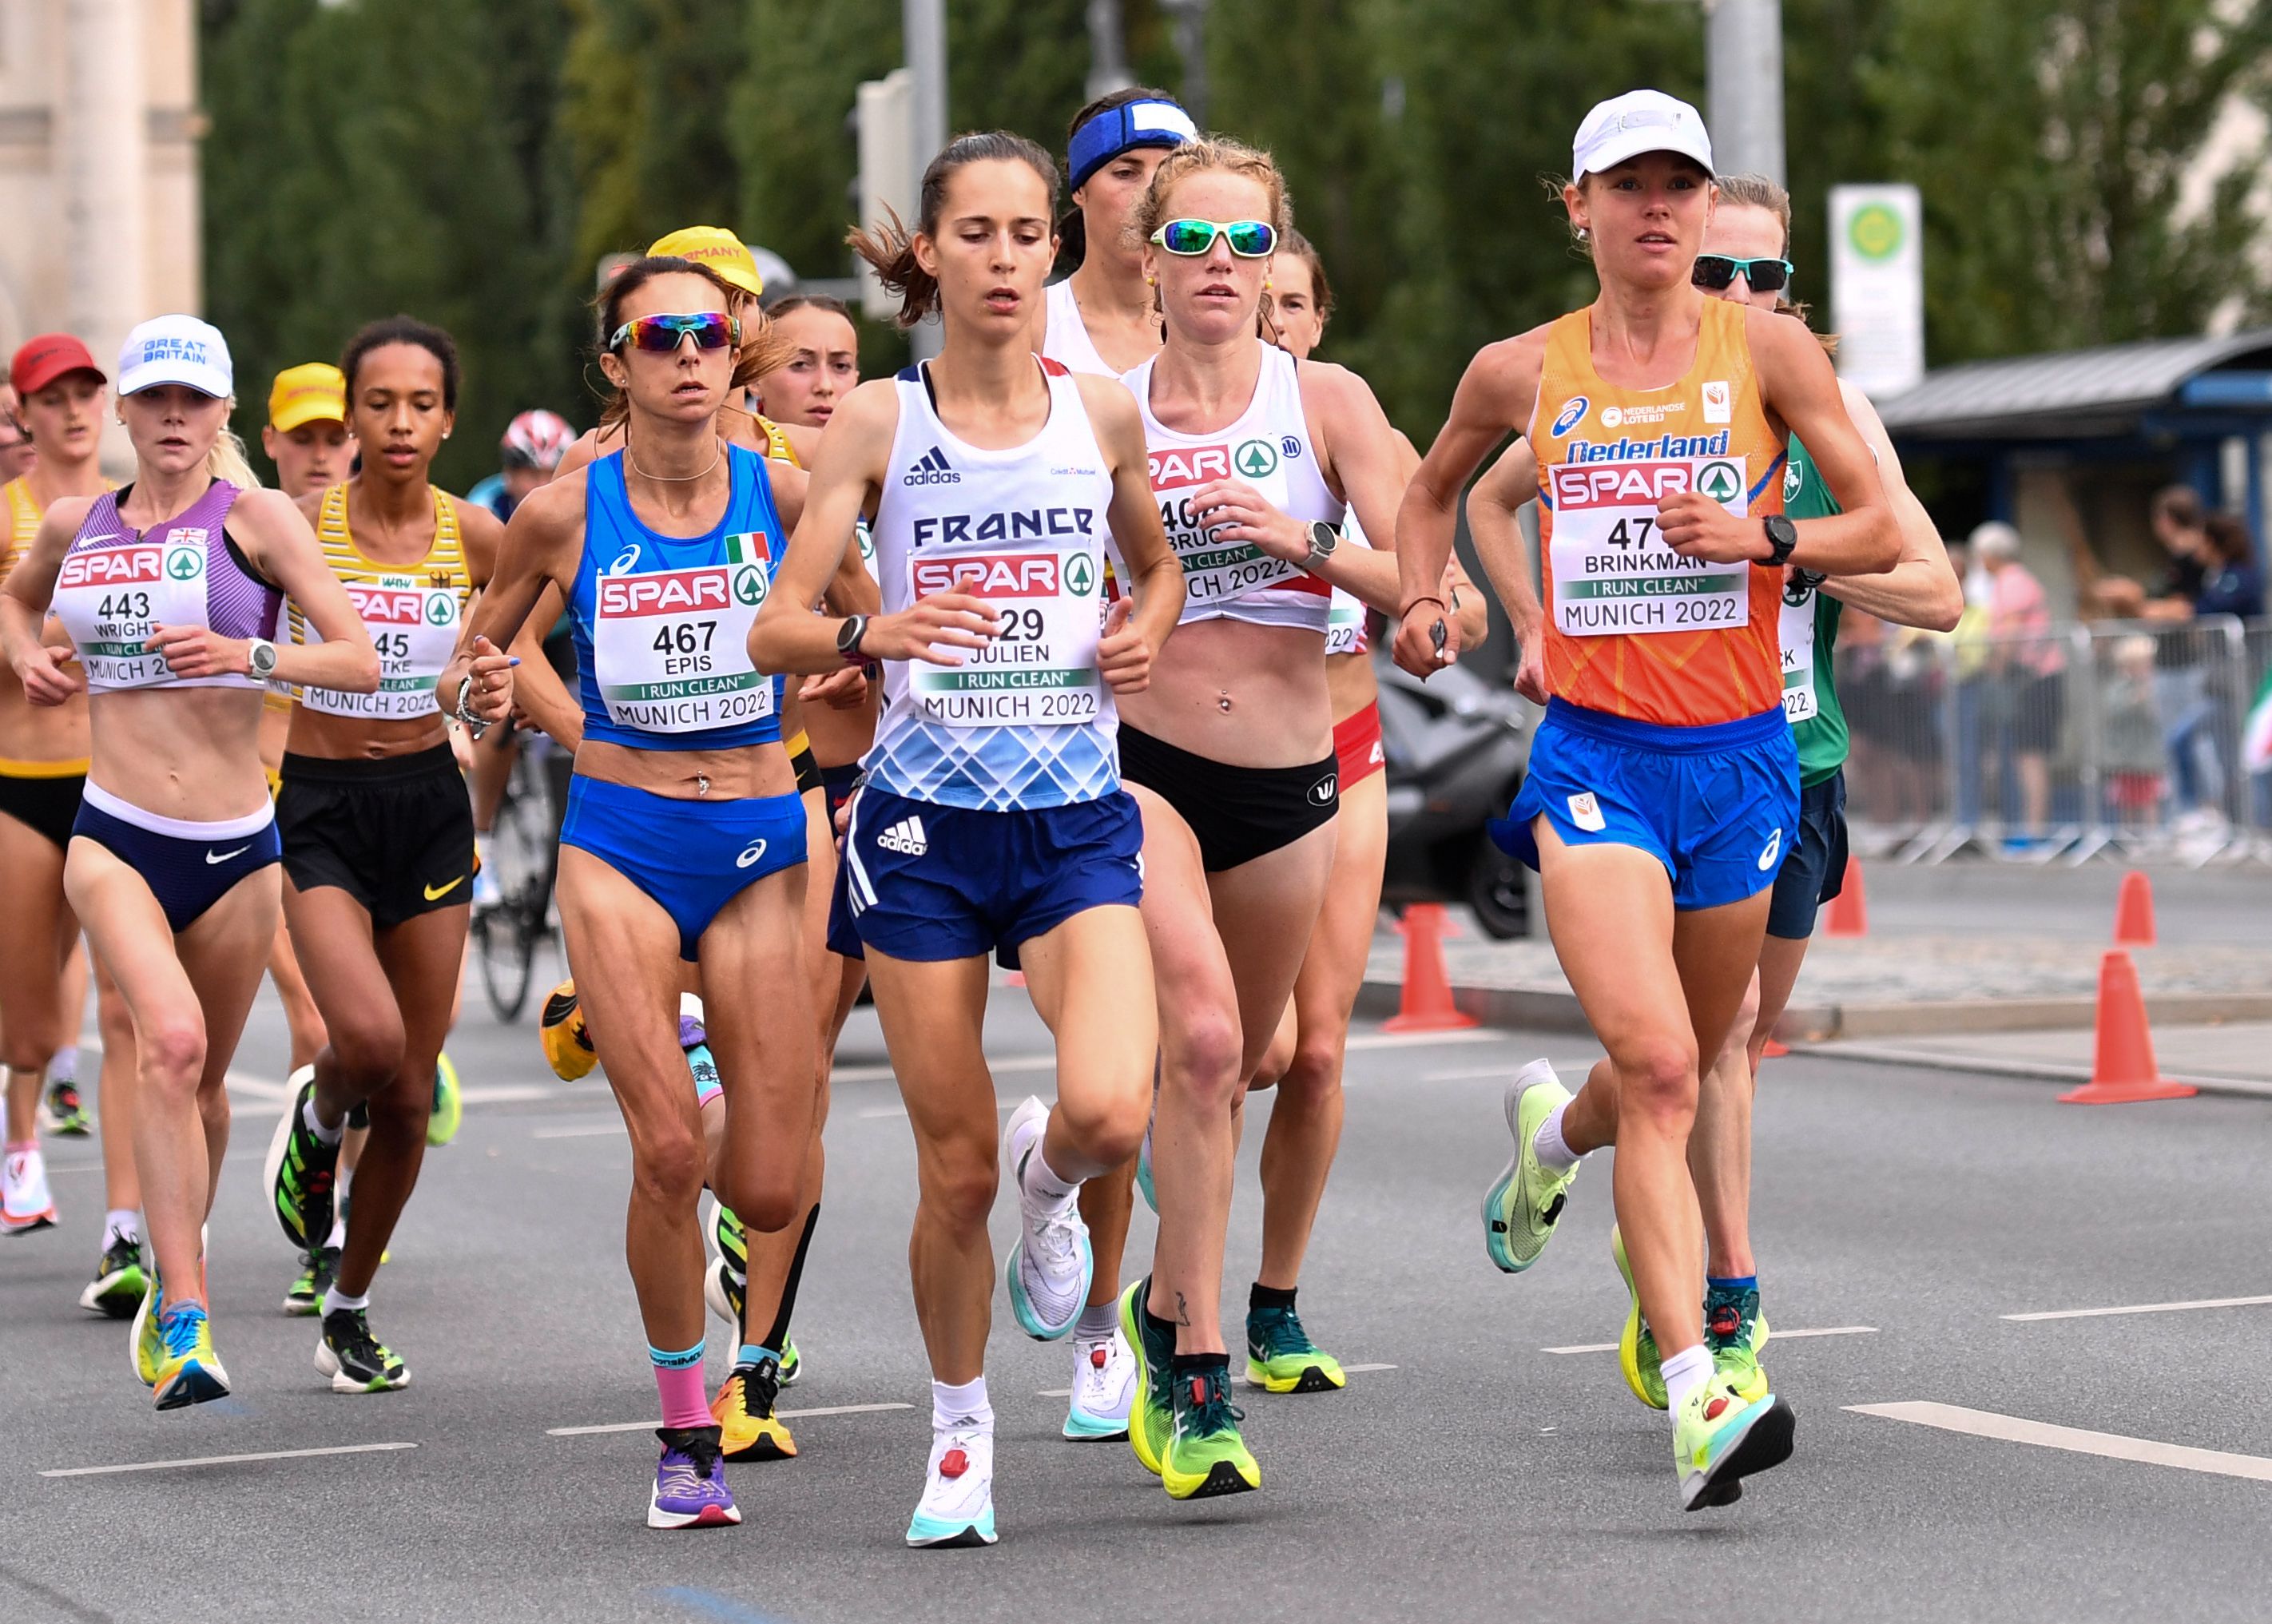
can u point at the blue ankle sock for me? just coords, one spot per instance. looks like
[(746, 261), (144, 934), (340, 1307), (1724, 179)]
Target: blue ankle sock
[(750, 1353), (1744, 1283)]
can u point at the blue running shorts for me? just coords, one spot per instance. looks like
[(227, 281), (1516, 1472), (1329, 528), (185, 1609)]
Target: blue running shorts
[(692, 856), (1814, 872), (1717, 806), (928, 882)]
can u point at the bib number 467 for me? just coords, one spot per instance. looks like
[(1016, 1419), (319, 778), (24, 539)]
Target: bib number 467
[(685, 637)]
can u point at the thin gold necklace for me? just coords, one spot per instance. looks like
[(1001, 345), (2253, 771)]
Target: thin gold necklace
[(670, 479)]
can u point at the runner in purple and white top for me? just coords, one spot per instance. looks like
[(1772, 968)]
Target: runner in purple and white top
[(169, 590)]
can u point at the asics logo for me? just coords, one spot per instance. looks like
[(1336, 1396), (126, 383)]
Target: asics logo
[(1567, 418), (625, 561), (932, 468), (222, 857), (1774, 850), (755, 850), (905, 837)]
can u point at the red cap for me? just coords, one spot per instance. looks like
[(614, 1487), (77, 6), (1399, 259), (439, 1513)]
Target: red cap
[(48, 357)]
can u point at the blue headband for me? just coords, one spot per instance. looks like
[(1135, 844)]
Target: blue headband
[(1124, 129)]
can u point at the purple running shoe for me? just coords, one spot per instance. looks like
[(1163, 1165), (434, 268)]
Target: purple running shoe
[(690, 1481)]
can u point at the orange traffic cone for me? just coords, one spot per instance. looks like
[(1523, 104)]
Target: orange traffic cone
[(1774, 1051), (1849, 913), (1427, 1004), (2134, 911), (2123, 1071)]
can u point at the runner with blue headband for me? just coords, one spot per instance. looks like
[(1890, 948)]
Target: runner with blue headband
[(1102, 317)]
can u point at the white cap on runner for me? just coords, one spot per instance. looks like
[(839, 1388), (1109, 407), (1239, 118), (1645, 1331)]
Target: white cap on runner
[(1638, 122), (175, 350)]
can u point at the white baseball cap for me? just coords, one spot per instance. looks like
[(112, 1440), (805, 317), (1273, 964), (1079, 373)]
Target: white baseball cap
[(176, 349), (1638, 122)]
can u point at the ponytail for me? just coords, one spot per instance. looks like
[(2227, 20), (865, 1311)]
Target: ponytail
[(228, 460)]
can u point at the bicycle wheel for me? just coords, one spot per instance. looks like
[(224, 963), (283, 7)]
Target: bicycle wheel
[(519, 846)]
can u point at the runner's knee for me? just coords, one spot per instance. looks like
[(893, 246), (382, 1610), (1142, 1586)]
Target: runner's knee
[(1203, 1059), (1105, 1125), (959, 1180), (173, 1050), (1657, 1079), (669, 1165)]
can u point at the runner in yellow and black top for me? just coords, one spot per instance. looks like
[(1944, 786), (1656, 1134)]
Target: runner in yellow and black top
[(43, 755), (1663, 783), (377, 831)]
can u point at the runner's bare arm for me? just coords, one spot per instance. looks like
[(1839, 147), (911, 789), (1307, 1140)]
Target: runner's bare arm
[(1493, 502), (1133, 636), (537, 690), (1922, 589), (1369, 463), (279, 542), (542, 538), (31, 587)]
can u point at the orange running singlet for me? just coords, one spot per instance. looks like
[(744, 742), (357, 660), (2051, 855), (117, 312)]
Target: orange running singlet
[(1631, 627)]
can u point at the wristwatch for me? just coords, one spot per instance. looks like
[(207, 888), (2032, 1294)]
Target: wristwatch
[(1323, 539), (847, 638), (261, 657), (1782, 536)]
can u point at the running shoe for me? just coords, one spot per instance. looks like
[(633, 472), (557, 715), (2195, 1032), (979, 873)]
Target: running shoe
[(300, 1169), (792, 1363), (120, 1283), (322, 1266), (25, 1203), (733, 1242), (1049, 1267), (61, 1113), (725, 1292), (1103, 1388), (486, 892), (188, 1371), (690, 1481), (957, 1507), (1281, 1358), (1144, 1171), (1205, 1456), (355, 1360), (561, 1032), (147, 1348), (1637, 1352), (449, 1107), (1151, 1417), (1735, 1330), (1722, 1438), (747, 1427), (1526, 1200)]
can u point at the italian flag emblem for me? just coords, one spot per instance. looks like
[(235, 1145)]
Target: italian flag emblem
[(749, 564)]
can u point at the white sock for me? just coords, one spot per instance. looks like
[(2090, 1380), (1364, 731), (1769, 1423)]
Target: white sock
[(963, 1406), (1684, 1373), (1554, 1152), (121, 1224), (334, 1299), (64, 1066), (338, 1238), (1041, 1179), (329, 1135)]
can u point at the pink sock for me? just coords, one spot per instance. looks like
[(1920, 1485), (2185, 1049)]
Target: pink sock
[(679, 1378), (16, 1146)]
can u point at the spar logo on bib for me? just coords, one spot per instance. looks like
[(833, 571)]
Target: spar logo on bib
[(1256, 459), (749, 553), (1001, 575), (1190, 465), (1573, 411), (664, 591), (441, 608), (1620, 484), (389, 606), (1723, 482), (1081, 575), (185, 562), (110, 566)]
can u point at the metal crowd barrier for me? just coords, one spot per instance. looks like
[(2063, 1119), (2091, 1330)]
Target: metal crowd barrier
[(2120, 740)]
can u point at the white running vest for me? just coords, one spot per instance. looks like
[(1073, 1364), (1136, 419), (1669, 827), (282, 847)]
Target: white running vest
[(1065, 338), (1269, 448), (1026, 722)]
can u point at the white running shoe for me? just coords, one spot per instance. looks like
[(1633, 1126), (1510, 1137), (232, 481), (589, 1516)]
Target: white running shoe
[(1103, 1388), (957, 1502), (1049, 1266), (25, 1203)]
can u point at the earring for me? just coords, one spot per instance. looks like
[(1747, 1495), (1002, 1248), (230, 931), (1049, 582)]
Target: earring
[(1265, 284)]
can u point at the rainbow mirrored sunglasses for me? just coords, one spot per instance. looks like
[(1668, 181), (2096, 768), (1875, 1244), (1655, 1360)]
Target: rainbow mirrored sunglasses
[(660, 335)]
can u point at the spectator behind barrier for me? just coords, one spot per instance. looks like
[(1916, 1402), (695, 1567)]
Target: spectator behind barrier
[(2028, 701), (2232, 582), (2181, 528)]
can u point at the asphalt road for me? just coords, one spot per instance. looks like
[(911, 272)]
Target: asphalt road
[(1480, 1475)]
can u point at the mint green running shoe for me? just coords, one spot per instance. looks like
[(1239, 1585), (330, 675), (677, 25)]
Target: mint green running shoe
[(1638, 1356), (1735, 1330), (1526, 1200), (1720, 1438), (1151, 1413)]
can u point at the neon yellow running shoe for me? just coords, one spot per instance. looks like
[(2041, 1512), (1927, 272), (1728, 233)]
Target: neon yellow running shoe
[(149, 1349), (449, 1108), (190, 1373), (1721, 1437), (1151, 1419), (1637, 1352), (1281, 1358), (1206, 1457), (1735, 1330), (1523, 1204)]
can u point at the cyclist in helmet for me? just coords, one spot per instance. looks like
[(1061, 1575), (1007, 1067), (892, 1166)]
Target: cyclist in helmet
[(529, 454)]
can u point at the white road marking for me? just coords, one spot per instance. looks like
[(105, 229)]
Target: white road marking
[(1347, 1369), (587, 1130), (260, 1088), (507, 1094), (1424, 1040), (1779, 1335), (225, 1460), (2076, 1440), (2100, 1313), (786, 1415), (1478, 1074)]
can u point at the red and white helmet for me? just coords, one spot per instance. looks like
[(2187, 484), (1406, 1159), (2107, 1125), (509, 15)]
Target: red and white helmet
[(536, 439)]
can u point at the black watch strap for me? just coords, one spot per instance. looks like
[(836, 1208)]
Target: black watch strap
[(1783, 537)]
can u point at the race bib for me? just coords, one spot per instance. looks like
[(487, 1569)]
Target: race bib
[(671, 647), (1798, 632), (1040, 669), (115, 598), (1216, 571), (414, 628), (1613, 572), (1345, 629)]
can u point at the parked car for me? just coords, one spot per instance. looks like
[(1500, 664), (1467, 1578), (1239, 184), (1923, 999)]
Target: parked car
[(1456, 748)]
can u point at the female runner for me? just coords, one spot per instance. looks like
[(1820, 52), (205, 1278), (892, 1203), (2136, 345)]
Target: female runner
[(684, 843), (1663, 784), (1254, 457), (377, 830), (1305, 1057), (43, 754), (1102, 319), (993, 818), (170, 591)]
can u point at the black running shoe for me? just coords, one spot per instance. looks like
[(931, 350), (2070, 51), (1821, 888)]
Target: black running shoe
[(119, 1282), (300, 1171), (355, 1360), (66, 1117)]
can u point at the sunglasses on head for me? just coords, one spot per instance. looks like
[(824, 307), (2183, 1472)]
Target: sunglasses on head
[(661, 335), (1188, 239), (1715, 271)]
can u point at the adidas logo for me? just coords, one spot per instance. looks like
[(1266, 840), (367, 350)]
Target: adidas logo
[(905, 837), (932, 468)]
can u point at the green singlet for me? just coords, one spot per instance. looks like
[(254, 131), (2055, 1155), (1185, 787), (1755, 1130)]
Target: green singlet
[(1810, 694)]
